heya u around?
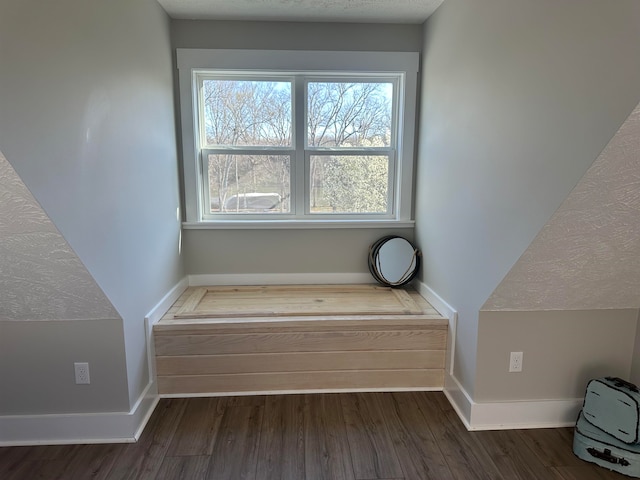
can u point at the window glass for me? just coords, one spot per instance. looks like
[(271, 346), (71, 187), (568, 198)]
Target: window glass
[(248, 183), (349, 184), (349, 114), (245, 112)]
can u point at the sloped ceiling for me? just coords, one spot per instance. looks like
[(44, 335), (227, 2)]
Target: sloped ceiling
[(588, 255), (359, 11), (41, 278)]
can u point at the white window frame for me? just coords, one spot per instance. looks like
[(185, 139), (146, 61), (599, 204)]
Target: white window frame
[(322, 63)]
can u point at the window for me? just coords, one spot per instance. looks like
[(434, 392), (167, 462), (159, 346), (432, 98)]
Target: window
[(309, 142)]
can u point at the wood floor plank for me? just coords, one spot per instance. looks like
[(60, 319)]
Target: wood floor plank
[(327, 454), (234, 456), (546, 444), (503, 450), (309, 437), (143, 460), (415, 445), (588, 472), (462, 451), (198, 427), (243, 401), (37, 470), (97, 459), (184, 468), (513, 458), (282, 447), (372, 453)]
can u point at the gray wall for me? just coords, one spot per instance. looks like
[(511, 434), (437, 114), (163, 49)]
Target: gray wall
[(296, 36), (287, 251), (282, 251), (87, 122), (635, 365), (519, 98), (563, 350)]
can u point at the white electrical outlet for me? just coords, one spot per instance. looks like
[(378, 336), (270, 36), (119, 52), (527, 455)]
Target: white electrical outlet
[(82, 373), (515, 362)]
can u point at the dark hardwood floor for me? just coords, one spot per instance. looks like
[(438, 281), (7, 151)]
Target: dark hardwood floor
[(393, 436)]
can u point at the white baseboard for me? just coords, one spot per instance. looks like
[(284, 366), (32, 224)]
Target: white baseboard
[(154, 316), (458, 398), (280, 279), (513, 414), (301, 392), (156, 313), (446, 311), (525, 414), (81, 428)]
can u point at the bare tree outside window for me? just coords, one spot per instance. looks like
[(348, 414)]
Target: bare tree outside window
[(241, 113), (349, 115)]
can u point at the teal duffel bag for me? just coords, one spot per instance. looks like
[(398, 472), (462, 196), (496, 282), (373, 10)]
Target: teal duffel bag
[(613, 405), (595, 446)]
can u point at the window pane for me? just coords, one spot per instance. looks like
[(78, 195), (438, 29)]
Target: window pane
[(249, 183), (343, 114), (349, 184), (246, 113)]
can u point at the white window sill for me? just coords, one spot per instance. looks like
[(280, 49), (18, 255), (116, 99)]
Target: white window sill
[(295, 224)]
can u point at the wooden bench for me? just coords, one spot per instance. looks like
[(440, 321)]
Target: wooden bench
[(302, 338)]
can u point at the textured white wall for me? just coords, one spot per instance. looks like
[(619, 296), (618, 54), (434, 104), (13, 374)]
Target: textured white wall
[(41, 278), (588, 255)]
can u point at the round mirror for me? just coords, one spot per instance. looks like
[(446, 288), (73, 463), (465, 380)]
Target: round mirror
[(393, 261)]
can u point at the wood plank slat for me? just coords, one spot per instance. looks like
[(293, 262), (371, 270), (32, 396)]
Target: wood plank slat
[(300, 342), (192, 302), (298, 362), (406, 301), (301, 381), (354, 287), (299, 324)]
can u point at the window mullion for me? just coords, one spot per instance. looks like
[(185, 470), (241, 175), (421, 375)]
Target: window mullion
[(299, 166)]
